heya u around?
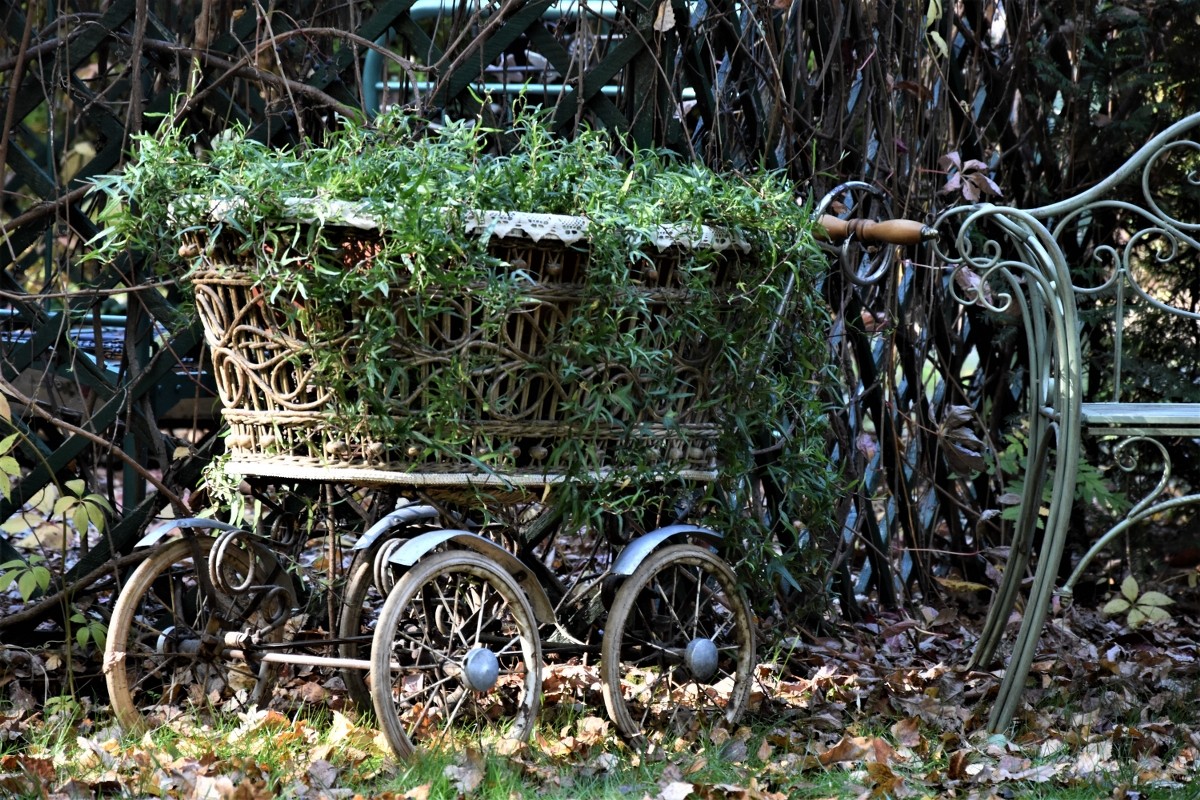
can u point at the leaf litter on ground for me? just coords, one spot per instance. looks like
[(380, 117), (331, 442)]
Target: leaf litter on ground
[(882, 708)]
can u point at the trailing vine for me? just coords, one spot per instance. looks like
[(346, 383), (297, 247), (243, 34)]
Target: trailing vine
[(682, 332)]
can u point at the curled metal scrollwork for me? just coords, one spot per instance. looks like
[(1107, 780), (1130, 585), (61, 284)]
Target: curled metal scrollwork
[(1035, 265), (235, 566)]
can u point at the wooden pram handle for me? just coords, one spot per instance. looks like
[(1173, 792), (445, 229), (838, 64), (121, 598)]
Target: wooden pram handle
[(888, 231)]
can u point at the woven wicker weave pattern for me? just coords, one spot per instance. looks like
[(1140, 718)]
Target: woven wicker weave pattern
[(518, 398)]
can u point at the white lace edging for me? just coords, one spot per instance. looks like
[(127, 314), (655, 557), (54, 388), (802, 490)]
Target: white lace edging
[(363, 215)]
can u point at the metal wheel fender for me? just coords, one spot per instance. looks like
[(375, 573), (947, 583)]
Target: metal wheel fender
[(413, 550), (636, 551), (194, 523), (395, 519)]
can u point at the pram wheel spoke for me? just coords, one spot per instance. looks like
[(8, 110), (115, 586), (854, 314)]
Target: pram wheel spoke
[(455, 655), (167, 652), (678, 650)]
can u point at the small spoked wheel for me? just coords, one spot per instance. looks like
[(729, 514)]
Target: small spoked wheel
[(167, 653), (455, 655), (678, 649)]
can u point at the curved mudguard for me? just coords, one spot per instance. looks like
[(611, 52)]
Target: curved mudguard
[(636, 551), (202, 523), (414, 549), (400, 517)]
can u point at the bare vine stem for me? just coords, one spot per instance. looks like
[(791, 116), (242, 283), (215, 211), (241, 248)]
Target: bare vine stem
[(243, 68), (11, 109), (51, 602), (177, 502)]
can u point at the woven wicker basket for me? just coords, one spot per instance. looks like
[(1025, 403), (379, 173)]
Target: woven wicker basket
[(281, 418)]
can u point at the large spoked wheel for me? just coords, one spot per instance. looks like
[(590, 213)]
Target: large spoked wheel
[(455, 654), (362, 602), (166, 653), (678, 649)]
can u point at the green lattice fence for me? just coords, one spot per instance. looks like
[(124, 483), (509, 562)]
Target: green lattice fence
[(106, 348), (112, 353)]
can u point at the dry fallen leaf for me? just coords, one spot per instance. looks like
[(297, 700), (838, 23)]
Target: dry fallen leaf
[(322, 775), (886, 782), (675, 790), (468, 773), (907, 732), (849, 748), (592, 730)]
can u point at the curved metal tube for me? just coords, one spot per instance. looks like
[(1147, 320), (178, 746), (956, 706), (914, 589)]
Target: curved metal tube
[(407, 554), (1009, 261), (636, 551)]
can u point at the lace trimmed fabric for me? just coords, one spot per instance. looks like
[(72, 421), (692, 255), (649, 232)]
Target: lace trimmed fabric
[(364, 215), (569, 230)]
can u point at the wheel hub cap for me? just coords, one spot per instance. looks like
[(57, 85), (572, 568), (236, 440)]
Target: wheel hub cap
[(701, 658), (481, 668)]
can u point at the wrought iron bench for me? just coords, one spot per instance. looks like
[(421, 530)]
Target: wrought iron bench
[(1083, 279)]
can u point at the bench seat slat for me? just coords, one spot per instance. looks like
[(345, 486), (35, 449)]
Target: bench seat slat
[(1143, 417)]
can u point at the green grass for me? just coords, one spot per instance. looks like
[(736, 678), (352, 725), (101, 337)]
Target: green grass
[(270, 755)]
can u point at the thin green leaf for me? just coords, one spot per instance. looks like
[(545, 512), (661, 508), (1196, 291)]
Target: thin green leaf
[(96, 515), (27, 584), (1155, 613)]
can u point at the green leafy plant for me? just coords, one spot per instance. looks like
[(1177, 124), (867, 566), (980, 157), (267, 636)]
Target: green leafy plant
[(9, 468), (1139, 607), (83, 507), (88, 629), (683, 330), (1091, 486), (31, 575)]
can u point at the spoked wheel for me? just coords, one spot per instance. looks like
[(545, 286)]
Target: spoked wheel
[(678, 649), (166, 652), (360, 599), (455, 653), (367, 581)]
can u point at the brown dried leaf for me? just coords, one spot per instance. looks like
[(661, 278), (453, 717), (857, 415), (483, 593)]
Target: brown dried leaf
[(259, 721), (962, 448), (885, 781), (849, 748), (418, 792), (467, 774), (592, 730), (955, 585), (675, 790), (959, 761), (907, 732), (312, 692), (322, 775)]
